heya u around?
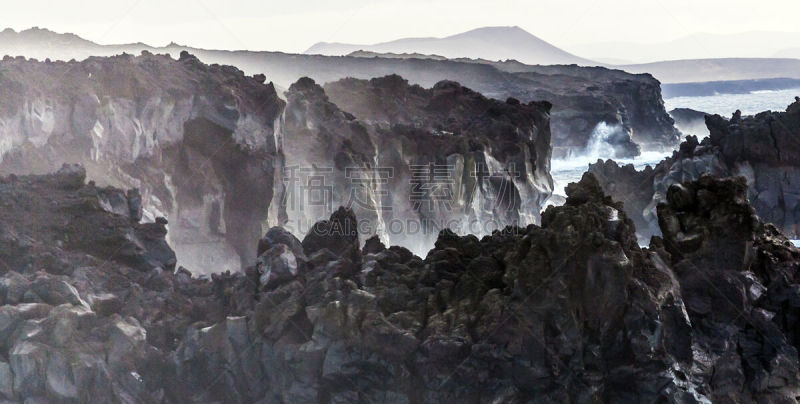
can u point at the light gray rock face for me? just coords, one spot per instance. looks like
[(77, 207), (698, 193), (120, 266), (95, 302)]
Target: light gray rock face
[(411, 161), (207, 148), (188, 136)]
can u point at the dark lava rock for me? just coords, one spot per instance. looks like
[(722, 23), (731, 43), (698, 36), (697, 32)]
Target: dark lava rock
[(686, 115), (61, 211), (634, 189), (569, 311), (276, 236), (373, 245), (735, 274), (339, 235)]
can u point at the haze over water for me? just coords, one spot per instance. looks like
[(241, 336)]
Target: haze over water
[(726, 104)]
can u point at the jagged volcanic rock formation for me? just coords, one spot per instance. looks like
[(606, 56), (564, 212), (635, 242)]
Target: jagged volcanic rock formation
[(331, 145), (447, 156), (740, 283), (573, 310), (765, 149), (762, 148), (634, 189), (198, 141)]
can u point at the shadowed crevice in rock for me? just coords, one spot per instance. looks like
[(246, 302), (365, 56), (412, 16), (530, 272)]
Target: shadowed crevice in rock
[(220, 194)]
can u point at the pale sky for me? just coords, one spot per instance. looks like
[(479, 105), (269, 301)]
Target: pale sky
[(293, 26)]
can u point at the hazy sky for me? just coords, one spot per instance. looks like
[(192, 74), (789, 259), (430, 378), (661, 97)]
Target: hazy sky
[(296, 25)]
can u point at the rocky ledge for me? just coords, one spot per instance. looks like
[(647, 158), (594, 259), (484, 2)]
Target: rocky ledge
[(572, 310)]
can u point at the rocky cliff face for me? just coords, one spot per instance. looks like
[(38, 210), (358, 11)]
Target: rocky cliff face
[(761, 148), (331, 161), (739, 282), (586, 99), (411, 161), (213, 150), (765, 149), (198, 141), (573, 310), (583, 97)]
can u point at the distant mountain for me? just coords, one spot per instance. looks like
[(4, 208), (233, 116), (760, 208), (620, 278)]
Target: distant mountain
[(285, 68), (753, 44), (40, 43), (490, 43)]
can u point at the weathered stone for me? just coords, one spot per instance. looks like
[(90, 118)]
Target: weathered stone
[(277, 265), (392, 160), (6, 381), (106, 304)]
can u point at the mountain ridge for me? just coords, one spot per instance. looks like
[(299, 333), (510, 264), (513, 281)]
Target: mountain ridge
[(49, 44), (480, 43)]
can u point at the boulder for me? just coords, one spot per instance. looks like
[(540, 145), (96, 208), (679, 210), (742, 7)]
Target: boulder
[(276, 265), (339, 234)]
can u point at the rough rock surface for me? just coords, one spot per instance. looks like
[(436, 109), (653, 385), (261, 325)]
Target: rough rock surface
[(439, 156), (762, 148), (740, 282), (634, 188), (329, 146), (189, 136), (573, 310)]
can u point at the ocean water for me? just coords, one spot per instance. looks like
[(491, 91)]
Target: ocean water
[(571, 169), (727, 104)]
